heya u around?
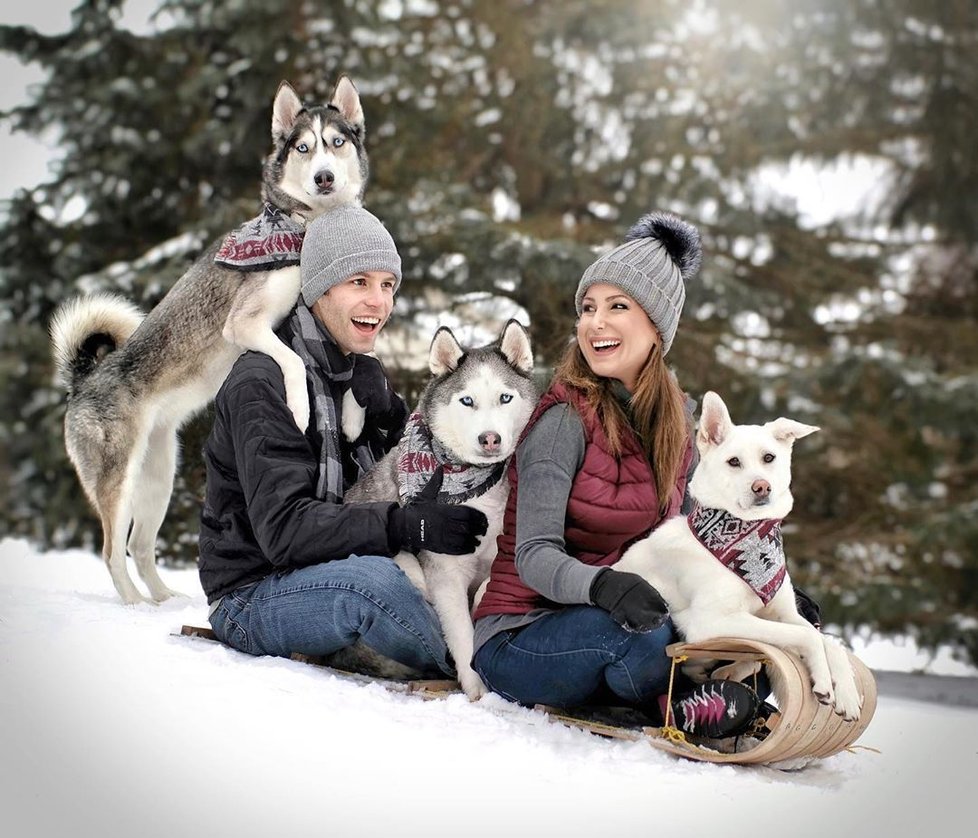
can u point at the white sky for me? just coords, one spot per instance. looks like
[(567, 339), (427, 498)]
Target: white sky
[(26, 158)]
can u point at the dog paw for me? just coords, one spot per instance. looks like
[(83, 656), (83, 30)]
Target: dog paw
[(472, 685), (823, 694), (848, 703), (300, 413), (134, 599), (352, 417)]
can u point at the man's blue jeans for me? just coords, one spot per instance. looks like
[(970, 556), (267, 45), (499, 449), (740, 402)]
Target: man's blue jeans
[(319, 609), (572, 655)]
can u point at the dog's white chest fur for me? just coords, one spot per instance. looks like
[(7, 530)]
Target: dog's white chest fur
[(745, 471), (680, 568)]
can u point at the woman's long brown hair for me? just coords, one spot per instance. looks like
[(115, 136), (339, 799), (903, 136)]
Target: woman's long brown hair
[(658, 413)]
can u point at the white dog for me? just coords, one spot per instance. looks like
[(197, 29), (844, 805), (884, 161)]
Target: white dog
[(721, 568)]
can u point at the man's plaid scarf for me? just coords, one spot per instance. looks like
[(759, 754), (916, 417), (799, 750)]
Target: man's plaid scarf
[(313, 344), (271, 240), (751, 549), (420, 455)]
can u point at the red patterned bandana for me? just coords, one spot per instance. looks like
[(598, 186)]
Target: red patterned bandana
[(270, 241), (419, 455), (751, 549)]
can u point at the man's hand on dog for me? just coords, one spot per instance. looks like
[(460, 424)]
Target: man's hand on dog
[(425, 524), (629, 599)]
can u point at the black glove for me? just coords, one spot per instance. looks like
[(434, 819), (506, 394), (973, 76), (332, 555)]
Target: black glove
[(370, 387), (425, 524), (631, 601), (808, 608)]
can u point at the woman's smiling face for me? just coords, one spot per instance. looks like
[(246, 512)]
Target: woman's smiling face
[(615, 334)]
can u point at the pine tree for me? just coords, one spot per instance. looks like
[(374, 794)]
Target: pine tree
[(576, 117)]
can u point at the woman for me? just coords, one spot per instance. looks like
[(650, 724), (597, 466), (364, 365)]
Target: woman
[(605, 457)]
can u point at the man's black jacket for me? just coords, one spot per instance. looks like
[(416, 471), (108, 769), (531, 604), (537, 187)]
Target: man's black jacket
[(260, 511)]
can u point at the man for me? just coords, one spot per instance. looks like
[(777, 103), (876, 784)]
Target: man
[(285, 565)]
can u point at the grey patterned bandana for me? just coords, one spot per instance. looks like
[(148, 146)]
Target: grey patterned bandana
[(751, 549), (270, 241), (313, 344), (420, 455)]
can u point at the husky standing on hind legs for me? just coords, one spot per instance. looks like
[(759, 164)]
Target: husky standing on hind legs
[(286, 565), (133, 382)]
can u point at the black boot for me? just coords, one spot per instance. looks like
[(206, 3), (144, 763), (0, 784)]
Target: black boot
[(714, 709)]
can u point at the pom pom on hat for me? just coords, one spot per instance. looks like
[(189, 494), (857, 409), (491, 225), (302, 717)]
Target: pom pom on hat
[(680, 239), (661, 253)]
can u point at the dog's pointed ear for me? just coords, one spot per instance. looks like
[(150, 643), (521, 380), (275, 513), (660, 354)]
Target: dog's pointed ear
[(286, 108), (788, 430), (514, 343), (445, 352), (715, 422), (346, 100)]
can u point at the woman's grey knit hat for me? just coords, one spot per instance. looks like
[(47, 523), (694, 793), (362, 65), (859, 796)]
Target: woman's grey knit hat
[(343, 242), (660, 255)]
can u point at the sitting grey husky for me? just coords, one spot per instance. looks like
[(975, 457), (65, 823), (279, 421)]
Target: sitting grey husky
[(721, 568), (133, 381), (469, 419)]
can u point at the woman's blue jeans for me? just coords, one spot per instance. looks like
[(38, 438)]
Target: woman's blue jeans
[(569, 657), (320, 609)]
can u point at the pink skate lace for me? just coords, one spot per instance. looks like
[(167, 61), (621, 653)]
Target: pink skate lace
[(701, 710)]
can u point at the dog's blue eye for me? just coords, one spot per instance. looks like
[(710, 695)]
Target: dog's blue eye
[(468, 401), (505, 398), (338, 141), (734, 462), (302, 148), (769, 458)]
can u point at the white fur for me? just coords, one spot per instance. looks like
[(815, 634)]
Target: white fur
[(459, 426), (298, 179), (706, 600), (450, 583), (76, 320)]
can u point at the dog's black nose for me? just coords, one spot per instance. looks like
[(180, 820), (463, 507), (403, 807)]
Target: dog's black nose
[(324, 179), (490, 441), (761, 489)]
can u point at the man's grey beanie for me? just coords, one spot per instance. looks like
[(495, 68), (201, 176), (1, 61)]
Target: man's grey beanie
[(343, 242), (660, 255)]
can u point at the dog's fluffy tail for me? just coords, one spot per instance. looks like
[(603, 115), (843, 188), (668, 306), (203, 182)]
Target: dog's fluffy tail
[(86, 329)]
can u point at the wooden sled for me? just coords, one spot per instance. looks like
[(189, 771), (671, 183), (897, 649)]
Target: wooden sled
[(803, 730), (425, 687)]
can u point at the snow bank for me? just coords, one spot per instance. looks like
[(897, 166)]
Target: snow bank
[(110, 726)]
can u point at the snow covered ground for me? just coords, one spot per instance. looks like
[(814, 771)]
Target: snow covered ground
[(109, 726)]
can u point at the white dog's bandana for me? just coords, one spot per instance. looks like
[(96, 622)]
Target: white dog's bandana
[(751, 549), (270, 241), (420, 455)]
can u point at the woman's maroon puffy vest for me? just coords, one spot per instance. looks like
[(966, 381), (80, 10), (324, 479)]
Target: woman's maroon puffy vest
[(612, 502)]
